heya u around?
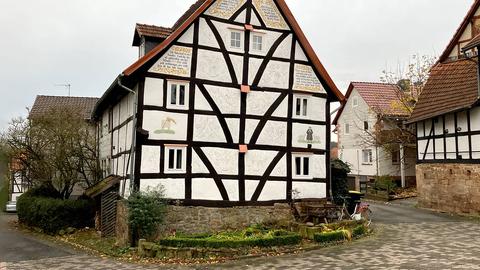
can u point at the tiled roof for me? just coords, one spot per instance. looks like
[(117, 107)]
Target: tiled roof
[(153, 31), (45, 104), (382, 97), (187, 14), (452, 86)]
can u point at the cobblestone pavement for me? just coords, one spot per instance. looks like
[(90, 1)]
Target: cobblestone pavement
[(406, 238)]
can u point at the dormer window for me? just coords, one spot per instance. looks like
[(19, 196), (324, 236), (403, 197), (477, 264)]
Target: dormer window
[(257, 43)]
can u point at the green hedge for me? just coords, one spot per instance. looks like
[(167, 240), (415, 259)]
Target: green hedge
[(52, 214), (359, 230), (284, 240), (334, 236)]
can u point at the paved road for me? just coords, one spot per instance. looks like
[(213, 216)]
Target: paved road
[(406, 238)]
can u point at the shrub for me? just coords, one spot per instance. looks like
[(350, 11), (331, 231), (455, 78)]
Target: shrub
[(146, 211), (359, 230), (53, 214), (386, 183), (333, 236), (46, 190), (340, 170)]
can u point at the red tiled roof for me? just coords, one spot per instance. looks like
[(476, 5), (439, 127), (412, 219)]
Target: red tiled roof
[(45, 104), (153, 30), (383, 98), (452, 86)]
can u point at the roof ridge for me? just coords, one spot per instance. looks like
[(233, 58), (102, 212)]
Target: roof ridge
[(153, 25), (380, 83), (67, 96)]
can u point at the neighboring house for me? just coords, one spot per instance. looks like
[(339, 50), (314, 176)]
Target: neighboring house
[(228, 107), (369, 109), (447, 118), (42, 106)]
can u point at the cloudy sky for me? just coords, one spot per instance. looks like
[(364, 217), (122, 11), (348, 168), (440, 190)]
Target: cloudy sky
[(87, 43)]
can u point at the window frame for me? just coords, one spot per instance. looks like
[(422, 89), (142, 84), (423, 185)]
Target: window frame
[(369, 156), (302, 99), (183, 160), (354, 102), (303, 158), (261, 44), (177, 95), (346, 129), (366, 126), (231, 39)]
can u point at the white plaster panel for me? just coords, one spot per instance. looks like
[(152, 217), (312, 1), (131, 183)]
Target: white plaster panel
[(299, 53), (227, 99), (428, 127), (253, 67), (224, 8), (316, 108), (319, 166), (257, 161), (268, 39), (310, 190), (150, 159), (197, 164), (462, 121), (421, 148), (258, 102), (187, 37), (250, 187), (439, 126), (206, 36), (250, 127), (475, 119), (254, 20), (122, 139), (128, 139), (234, 127), (211, 66), (285, 48), (232, 189), (242, 17), (273, 190), (153, 94), (281, 168), (174, 188), (299, 136), (237, 62), (276, 75), (165, 125), (274, 133), (463, 147), (116, 110), (200, 102), (420, 129), (206, 128), (282, 110), (225, 161), (115, 142), (451, 148), (430, 151), (439, 151), (205, 189), (475, 146)]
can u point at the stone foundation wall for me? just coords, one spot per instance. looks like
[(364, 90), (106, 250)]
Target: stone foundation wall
[(451, 188), (191, 220)]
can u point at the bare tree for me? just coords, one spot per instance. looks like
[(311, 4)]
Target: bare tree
[(56, 148)]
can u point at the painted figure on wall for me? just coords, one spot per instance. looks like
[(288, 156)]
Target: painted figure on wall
[(310, 134)]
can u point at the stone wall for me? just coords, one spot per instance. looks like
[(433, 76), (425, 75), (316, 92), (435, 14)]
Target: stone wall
[(192, 220), (451, 188)]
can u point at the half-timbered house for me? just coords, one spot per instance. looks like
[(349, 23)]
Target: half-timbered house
[(447, 118), (228, 107)]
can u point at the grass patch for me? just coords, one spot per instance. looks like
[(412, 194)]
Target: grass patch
[(90, 240)]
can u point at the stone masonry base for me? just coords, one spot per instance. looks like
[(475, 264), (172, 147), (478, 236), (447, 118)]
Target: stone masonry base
[(453, 188)]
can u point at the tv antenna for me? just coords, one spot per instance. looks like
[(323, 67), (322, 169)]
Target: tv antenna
[(67, 86)]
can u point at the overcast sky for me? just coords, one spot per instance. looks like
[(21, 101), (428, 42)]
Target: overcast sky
[(87, 43)]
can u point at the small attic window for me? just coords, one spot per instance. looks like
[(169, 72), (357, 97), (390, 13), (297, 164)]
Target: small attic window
[(355, 102)]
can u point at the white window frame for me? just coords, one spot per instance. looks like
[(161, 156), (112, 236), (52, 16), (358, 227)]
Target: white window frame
[(231, 39), (302, 174), (169, 95), (256, 43), (355, 102), (304, 113), (346, 129), (369, 160), (175, 169)]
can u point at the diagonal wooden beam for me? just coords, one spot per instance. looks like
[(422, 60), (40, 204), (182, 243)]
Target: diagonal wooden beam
[(266, 175), (266, 117), (213, 172)]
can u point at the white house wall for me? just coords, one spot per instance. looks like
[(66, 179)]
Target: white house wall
[(218, 120)]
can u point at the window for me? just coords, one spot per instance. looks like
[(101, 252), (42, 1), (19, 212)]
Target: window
[(395, 157), (355, 102), (178, 94), (175, 159), (302, 166), (257, 43), (301, 108), (347, 129), (367, 156), (236, 40), (365, 125)]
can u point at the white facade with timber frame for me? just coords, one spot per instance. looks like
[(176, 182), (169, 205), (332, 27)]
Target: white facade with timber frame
[(232, 109)]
